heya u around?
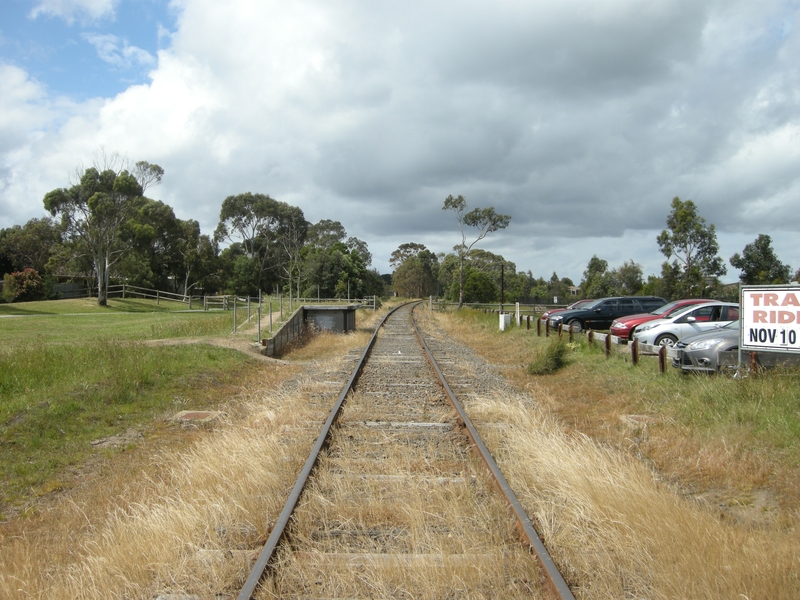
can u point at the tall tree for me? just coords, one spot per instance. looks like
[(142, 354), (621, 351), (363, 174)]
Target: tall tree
[(693, 244), (29, 246), (415, 272), (592, 285), (252, 220), (486, 220), (759, 264), (92, 213), (405, 251), (291, 235), (154, 236)]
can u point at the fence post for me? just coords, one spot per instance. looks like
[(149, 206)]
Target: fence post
[(570, 332), (608, 345), (528, 323), (662, 359), (123, 291), (259, 316), (234, 314), (158, 297), (547, 328), (753, 363), (190, 302), (635, 352)]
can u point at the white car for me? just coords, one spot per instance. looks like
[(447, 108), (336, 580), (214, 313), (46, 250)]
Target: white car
[(695, 319)]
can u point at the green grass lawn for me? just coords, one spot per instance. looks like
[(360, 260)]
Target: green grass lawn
[(72, 372)]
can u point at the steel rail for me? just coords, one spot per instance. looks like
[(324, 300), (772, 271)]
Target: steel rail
[(279, 528), (554, 578)]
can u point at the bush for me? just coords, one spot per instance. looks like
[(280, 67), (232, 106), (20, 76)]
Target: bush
[(23, 286), (550, 357)]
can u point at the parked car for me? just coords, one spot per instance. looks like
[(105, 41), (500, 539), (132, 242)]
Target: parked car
[(690, 321), (578, 304), (701, 352), (624, 326), (600, 313)]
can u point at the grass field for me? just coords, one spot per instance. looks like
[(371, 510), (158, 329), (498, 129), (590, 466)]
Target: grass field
[(72, 372), (645, 485), (733, 436)]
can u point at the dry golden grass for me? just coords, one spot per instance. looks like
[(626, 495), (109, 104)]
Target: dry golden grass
[(602, 487), (185, 512), (186, 519), (616, 531)]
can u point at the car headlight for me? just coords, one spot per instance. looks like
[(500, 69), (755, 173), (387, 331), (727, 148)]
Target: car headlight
[(642, 328), (703, 344)]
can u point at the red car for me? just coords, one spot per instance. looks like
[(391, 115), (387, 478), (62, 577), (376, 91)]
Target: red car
[(624, 326), (578, 304)]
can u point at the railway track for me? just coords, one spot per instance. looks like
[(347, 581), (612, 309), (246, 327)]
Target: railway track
[(395, 502)]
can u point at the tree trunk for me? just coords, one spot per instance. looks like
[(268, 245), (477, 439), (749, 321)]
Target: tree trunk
[(101, 266), (461, 282)]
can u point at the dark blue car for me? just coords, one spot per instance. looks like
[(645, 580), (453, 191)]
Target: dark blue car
[(601, 313)]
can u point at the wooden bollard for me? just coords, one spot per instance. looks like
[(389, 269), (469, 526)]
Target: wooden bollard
[(662, 359), (547, 328), (753, 364), (635, 352), (590, 336), (608, 345), (538, 327), (560, 329), (528, 323), (570, 332)]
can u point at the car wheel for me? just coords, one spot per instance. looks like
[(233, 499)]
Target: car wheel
[(666, 339), (576, 325)]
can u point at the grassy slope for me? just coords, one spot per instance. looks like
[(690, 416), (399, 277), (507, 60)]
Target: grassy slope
[(732, 437), (72, 372)]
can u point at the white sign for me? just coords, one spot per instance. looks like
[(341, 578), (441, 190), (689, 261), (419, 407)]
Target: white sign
[(770, 318)]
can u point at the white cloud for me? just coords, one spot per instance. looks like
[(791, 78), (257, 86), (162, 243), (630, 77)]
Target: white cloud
[(117, 52), (72, 10)]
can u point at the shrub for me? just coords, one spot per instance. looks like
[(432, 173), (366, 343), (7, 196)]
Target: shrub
[(549, 358), (23, 286)]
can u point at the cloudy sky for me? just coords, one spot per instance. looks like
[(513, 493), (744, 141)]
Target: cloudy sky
[(581, 119)]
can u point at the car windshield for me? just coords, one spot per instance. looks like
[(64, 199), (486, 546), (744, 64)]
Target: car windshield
[(662, 309), (580, 304), (592, 304), (683, 310)]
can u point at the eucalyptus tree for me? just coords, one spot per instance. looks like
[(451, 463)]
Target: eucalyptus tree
[(29, 246), (254, 221), (759, 264), (486, 220), (335, 265), (416, 270), (92, 214), (693, 244)]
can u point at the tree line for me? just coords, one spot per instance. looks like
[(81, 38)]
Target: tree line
[(103, 229), (692, 267)]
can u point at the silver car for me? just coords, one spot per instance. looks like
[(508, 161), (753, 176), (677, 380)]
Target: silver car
[(701, 352), (693, 320)]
